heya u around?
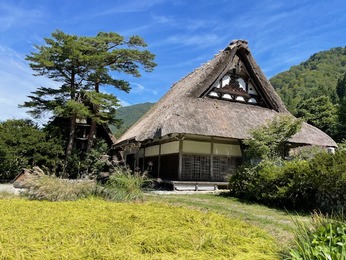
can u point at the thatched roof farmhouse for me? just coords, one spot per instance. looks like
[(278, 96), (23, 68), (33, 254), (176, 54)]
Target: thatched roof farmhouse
[(195, 131)]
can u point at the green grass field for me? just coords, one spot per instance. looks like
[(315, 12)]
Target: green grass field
[(96, 229), (278, 223)]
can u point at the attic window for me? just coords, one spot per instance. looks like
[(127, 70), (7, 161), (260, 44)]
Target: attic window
[(236, 88)]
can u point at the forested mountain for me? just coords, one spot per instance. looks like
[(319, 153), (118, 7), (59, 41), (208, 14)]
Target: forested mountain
[(316, 91), (129, 115), (316, 77)]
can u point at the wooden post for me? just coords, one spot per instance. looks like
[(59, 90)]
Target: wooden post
[(180, 171), (211, 159), (159, 161), (143, 161), (135, 149)]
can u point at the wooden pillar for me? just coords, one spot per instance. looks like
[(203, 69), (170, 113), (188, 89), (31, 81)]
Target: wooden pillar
[(159, 161), (136, 155), (211, 159), (143, 161), (180, 170), (242, 149)]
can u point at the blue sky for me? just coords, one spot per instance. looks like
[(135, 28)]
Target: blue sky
[(183, 34)]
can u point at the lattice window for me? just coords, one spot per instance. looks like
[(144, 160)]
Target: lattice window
[(223, 166), (196, 167)]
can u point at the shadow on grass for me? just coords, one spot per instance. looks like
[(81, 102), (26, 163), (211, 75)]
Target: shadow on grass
[(289, 210)]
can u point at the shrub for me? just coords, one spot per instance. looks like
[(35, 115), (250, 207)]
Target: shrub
[(270, 140), (24, 144), (283, 184), (328, 174), (52, 188), (123, 185), (324, 239), (317, 183)]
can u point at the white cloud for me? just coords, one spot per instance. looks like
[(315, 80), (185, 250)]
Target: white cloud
[(124, 103), (162, 19), (193, 25), (16, 83), (197, 40), (13, 15), (130, 7), (139, 88)]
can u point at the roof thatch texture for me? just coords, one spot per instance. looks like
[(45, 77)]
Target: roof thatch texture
[(182, 110)]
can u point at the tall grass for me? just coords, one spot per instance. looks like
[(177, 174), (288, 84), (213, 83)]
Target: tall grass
[(55, 189), (97, 229), (123, 185), (6, 195), (323, 238)]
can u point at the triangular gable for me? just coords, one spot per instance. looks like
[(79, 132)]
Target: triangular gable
[(238, 83), (236, 58)]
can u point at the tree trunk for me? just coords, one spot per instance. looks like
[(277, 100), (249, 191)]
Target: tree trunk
[(71, 137), (93, 126), (91, 136)]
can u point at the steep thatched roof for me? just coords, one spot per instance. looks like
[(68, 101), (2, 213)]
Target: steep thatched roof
[(185, 109)]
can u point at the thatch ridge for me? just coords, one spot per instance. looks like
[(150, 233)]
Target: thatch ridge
[(183, 110)]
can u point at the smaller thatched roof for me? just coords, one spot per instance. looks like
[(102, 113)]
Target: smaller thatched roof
[(186, 110)]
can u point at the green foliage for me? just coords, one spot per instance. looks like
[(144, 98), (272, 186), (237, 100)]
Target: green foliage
[(82, 65), (269, 141), (305, 152), (342, 120), (327, 173), (317, 183), (52, 188), (315, 90), (96, 229), (129, 115), (325, 239), (342, 146), (87, 165), (341, 87), (286, 185), (320, 112), (316, 77), (92, 165), (23, 144), (123, 185)]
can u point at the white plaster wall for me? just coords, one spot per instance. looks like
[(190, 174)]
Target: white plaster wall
[(242, 83), (225, 80), (196, 147), (152, 151), (168, 148), (226, 149)]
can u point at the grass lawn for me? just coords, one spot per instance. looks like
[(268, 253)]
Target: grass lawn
[(97, 229), (278, 223)]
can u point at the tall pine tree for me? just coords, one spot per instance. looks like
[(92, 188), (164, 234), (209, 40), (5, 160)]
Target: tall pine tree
[(81, 65)]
